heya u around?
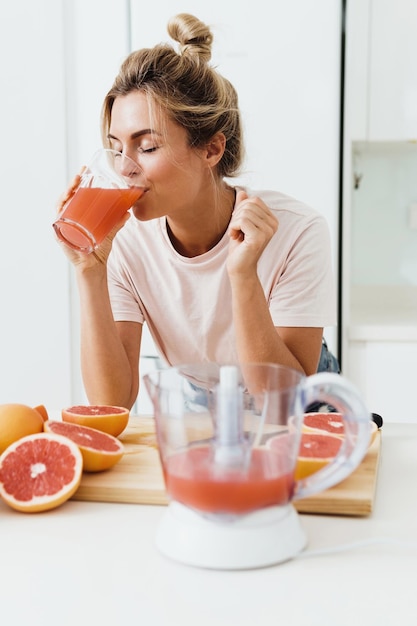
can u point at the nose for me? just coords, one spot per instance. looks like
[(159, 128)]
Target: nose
[(130, 170), (127, 167)]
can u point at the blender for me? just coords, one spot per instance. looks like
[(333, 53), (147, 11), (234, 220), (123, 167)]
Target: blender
[(228, 439)]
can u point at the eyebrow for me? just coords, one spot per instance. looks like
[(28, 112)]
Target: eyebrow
[(139, 133)]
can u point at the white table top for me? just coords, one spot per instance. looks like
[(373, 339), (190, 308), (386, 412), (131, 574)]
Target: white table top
[(93, 563)]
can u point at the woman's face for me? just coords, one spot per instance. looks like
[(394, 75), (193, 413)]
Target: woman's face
[(176, 174)]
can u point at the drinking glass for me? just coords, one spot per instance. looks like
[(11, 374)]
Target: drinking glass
[(109, 186)]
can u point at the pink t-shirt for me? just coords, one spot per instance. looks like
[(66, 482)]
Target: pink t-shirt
[(186, 302)]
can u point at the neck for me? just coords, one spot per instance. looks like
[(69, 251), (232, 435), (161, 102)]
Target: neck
[(205, 229)]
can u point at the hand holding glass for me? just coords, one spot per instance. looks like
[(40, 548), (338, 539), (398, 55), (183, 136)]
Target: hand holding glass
[(109, 186)]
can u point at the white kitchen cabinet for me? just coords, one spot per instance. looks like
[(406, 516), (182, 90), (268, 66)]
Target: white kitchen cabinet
[(356, 75), (393, 70), (379, 235), (381, 70), (384, 369)]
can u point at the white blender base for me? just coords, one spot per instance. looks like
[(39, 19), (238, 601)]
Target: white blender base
[(265, 537)]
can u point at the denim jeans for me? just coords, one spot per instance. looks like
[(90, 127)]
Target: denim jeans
[(328, 362)]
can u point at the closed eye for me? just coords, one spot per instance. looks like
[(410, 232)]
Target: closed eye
[(147, 150)]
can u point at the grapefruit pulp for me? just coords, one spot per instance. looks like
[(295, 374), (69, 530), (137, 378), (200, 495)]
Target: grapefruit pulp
[(109, 419), (328, 422), (17, 421), (316, 450), (100, 450), (331, 423), (40, 472)]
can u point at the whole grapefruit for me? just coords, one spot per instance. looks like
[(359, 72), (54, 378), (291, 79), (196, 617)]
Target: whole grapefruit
[(109, 419), (17, 421)]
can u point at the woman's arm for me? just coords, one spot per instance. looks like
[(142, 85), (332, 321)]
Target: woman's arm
[(109, 350), (258, 340)]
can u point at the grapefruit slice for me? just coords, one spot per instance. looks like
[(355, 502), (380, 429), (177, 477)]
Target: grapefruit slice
[(328, 422), (17, 421), (316, 450), (100, 450), (331, 423), (109, 419), (40, 472)]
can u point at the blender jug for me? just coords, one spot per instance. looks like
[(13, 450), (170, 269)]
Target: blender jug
[(228, 439)]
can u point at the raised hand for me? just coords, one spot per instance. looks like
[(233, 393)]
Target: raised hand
[(250, 229)]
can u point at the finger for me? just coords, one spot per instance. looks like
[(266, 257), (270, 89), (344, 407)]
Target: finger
[(119, 226), (69, 193), (241, 195), (234, 231), (255, 211)]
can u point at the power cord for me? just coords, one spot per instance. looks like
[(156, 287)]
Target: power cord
[(345, 547)]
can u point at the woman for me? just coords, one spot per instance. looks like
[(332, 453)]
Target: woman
[(219, 273)]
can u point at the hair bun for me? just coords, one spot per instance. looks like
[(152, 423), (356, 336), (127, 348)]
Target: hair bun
[(194, 37)]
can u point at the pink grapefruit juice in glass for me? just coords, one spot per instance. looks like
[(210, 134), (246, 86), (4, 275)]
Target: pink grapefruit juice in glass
[(108, 188)]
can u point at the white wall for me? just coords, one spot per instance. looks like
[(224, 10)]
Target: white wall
[(96, 42), (57, 60), (285, 63), (34, 310)]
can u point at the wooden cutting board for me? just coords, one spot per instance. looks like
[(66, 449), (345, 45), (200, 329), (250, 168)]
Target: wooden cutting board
[(138, 478)]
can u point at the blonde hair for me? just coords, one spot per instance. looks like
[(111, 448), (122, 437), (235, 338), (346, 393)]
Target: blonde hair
[(186, 87)]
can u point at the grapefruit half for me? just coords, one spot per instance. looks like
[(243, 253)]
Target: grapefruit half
[(316, 451), (109, 419), (17, 421), (100, 450), (40, 472), (328, 422), (331, 423)]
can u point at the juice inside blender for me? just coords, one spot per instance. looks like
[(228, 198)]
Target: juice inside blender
[(193, 479)]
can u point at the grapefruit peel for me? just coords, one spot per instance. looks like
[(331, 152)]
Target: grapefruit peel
[(41, 409)]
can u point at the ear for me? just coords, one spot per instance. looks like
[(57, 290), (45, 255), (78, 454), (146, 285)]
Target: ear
[(215, 149)]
